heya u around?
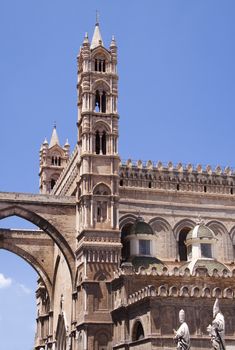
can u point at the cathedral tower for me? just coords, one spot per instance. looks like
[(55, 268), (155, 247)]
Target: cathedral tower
[(98, 243), (98, 135)]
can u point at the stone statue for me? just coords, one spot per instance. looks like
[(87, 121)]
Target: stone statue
[(217, 329), (182, 336)]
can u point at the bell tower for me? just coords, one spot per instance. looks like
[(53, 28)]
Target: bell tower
[(98, 135), (98, 235)]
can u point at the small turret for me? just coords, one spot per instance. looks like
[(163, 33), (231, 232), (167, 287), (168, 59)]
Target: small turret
[(53, 159)]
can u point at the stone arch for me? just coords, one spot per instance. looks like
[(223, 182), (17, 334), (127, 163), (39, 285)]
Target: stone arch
[(101, 125), (102, 276), (185, 223), (101, 131), (102, 187), (165, 240), (224, 249), (30, 259), (181, 230), (102, 210), (127, 219), (102, 339), (44, 225), (100, 50), (125, 224), (101, 83)]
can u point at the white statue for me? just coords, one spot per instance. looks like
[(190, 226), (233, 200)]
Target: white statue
[(217, 329), (182, 335)]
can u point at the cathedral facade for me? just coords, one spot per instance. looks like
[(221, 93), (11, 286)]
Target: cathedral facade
[(123, 247)]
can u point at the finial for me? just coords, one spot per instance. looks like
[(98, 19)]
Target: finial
[(97, 18), (54, 124)]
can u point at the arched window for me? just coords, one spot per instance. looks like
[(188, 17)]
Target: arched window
[(100, 65), (100, 101), (100, 142), (138, 331), (182, 245), (101, 192), (125, 243), (97, 101)]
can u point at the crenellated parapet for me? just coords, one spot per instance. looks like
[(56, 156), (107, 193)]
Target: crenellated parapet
[(174, 284), (127, 269), (178, 177)]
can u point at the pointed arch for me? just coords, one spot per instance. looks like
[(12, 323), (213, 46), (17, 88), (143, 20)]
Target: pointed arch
[(183, 224), (44, 225), (30, 259), (160, 224), (101, 84), (137, 331), (181, 230), (224, 246), (127, 219)]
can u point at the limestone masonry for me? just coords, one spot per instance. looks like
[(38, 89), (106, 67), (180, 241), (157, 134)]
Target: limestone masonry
[(121, 248)]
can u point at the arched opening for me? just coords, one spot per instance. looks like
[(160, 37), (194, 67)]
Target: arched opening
[(100, 101), (138, 331), (37, 247), (181, 244), (125, 243), (18, 283)]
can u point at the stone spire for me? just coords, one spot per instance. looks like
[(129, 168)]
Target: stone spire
[(54, 138), (96, 39)]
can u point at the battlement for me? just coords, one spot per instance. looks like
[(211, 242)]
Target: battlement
[(180, 177)]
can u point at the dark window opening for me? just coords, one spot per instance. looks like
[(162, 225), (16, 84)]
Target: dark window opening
[(52, 160), (231, 190), (150, 184), (181, 245), (138, 332), (98, 213), (121, 182), (59, 161), (52, 183), (97, 142), (126, 250), (104, 143), (103, 109), (205, 189), (100, 65), (178, 187)]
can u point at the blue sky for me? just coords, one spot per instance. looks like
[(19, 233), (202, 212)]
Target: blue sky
[(176, 98)]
